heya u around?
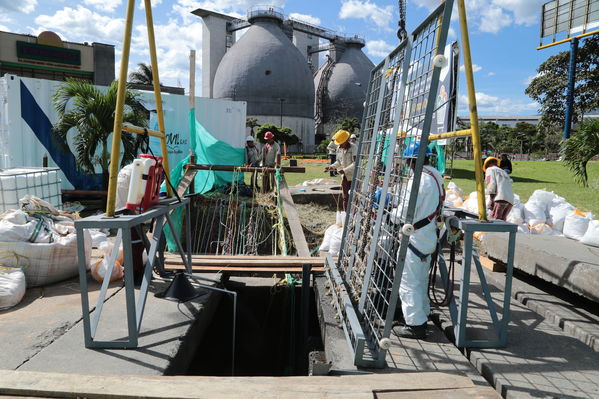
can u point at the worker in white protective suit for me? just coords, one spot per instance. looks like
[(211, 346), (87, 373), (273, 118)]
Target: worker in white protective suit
[(413, 290)]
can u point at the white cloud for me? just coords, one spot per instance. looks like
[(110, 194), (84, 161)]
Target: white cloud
[(493, 15), (381, 16), (154, 4), (103, 5), (378, 48), (475, 68), (529, 79), (305, 18), (526, 12), (493, 19), (173, 42), (491, 74), (492, 105), (82, 24), (25, 6)]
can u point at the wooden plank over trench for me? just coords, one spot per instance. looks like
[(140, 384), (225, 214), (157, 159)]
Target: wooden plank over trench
[(367, 386)]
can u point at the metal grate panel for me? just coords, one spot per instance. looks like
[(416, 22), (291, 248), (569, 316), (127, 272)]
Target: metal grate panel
[(400, 104)]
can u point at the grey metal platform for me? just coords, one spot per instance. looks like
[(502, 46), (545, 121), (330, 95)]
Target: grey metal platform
[(558, 260)]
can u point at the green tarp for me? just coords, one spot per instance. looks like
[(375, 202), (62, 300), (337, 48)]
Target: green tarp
[(208, 151)]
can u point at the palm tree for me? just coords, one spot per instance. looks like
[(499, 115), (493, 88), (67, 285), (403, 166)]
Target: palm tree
[(143, 75), (251, 123), (90, 112), (580, 148)]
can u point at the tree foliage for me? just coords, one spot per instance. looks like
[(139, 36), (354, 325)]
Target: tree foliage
[(282, 134), (351, 125), (580, 148), (90, 112), (549, 87), (251, 123), (143, 75)]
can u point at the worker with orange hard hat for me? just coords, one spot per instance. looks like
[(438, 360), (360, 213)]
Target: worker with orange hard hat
[(499, 189)]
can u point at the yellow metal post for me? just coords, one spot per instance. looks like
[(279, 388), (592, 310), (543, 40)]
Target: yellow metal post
[(156, 78), (476, 146), (118, 117)]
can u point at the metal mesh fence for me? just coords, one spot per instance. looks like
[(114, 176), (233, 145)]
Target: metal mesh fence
[(399, 107)]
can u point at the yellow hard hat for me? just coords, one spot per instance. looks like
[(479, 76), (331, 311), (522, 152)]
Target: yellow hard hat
[(341, 137), (485, 165)]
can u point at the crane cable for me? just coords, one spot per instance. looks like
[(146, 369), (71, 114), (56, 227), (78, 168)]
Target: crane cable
[(402, 34)]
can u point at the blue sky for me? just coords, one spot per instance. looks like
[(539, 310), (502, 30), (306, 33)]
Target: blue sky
[(504, 34)]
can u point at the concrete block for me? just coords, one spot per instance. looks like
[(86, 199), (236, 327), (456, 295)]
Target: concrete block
[(558, 260)]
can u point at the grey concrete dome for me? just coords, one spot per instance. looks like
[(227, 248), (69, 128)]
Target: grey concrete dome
[(347, 85), (264, 67)]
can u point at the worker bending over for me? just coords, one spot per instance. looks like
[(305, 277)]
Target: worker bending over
[(499, 189), (271, 158), (344, 163), (252, 158), (413, 290)]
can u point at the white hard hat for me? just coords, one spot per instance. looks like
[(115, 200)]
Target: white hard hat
[(353, 136), (249, 138)]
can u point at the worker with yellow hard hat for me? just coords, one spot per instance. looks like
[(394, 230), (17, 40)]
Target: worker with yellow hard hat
[(499, 189), (344, 163)]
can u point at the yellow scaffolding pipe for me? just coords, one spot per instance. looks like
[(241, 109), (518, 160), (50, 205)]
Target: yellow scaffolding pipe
[(476, 147), (118, 116), (156, 79), (120, 105), (568, 39), (141, 130), (450, 135)]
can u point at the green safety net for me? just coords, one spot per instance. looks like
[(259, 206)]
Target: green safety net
[(208, 150)]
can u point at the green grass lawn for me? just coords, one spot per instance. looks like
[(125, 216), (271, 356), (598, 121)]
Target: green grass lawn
[(529, 176)]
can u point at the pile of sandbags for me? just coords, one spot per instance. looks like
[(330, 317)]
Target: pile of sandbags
[(545, 213), (12, 286), (40, 240), (331, 242)]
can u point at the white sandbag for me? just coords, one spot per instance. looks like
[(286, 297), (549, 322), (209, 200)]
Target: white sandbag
[(471, 203), (523, 228), (97, 237), (453, 196), (12, 286), (534, 212), (591, 237), (576, 224), (544, 229), (543, 197), (517, 199), (340, 218), (515, 215), (332, 240), (558, 213), (100, 268), (45, 263)]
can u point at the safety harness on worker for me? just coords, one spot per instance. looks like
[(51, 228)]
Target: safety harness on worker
[(430, 218)]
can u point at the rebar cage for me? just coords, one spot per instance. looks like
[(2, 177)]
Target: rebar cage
[(399, 109)]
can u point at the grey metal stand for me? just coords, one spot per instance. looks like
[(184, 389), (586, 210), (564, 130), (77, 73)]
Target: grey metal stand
[(124, 224), (459, 311)]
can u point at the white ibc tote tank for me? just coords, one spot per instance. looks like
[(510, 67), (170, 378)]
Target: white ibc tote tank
[(15, 183)]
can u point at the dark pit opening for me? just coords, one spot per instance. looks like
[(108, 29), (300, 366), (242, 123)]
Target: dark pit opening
[(269, 334)]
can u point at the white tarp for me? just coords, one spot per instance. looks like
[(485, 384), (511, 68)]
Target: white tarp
[(27, 112)]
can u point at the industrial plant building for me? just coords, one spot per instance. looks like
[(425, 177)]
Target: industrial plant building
[(274, 66), (47, 56)]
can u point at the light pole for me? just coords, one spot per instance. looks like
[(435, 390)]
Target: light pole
[(282, 100)]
